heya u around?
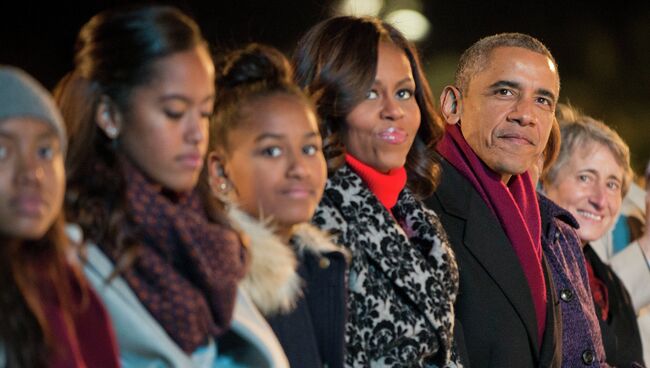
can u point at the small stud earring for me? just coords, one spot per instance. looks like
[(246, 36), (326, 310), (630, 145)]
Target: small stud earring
[(111, 132)]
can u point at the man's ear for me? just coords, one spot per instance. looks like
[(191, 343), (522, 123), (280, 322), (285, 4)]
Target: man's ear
[(108, 118), (451, 104)]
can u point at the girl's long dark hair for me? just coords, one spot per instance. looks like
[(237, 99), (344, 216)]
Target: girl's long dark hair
[(116, 51)]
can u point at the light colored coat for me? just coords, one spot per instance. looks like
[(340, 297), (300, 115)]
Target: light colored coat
[(144, 343)]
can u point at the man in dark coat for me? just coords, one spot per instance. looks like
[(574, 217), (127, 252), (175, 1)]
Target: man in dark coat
[(499, 115)]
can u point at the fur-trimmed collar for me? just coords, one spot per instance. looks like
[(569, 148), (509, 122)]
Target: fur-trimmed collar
[(272, 281)]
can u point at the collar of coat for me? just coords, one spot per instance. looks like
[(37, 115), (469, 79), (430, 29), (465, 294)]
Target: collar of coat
[(411, 251), (272, 281)]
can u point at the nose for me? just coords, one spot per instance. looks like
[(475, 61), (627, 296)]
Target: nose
[(523, 112), (391, 109), (297, 168), (197, 127), (29, 172), (597, 197)]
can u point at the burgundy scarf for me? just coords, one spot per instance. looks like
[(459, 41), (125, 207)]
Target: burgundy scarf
[(85, 338), (187, 271), (516, 207)]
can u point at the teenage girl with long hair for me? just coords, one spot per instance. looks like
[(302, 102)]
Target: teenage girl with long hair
[(160, 253)]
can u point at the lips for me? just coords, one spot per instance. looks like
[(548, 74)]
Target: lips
[(31, 205), (298, 192), (516, 138), (191, 160), (393, 135)]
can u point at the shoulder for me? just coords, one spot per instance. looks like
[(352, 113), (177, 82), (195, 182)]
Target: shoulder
[(329, 215), (550, 210), (310, 238), (453, 195), (271, 281)]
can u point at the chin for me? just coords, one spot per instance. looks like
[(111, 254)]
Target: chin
[(27, 231), (590, 235), (295, 218), (181, 186), (510, 166), (387, 165)]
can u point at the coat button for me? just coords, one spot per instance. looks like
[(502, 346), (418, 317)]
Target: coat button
[(324, 262), (557, 235), (566, 295), (588, 357)]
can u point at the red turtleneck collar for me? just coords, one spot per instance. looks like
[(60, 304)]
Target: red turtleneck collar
[(386, 187)]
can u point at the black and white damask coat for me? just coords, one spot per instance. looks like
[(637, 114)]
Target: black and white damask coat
[(402, 280)]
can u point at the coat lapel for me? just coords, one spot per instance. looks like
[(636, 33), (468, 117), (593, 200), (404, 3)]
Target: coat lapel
[(389, 246), (494, 253)]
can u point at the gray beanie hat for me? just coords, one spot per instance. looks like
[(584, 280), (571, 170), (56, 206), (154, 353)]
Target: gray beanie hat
[(22, 96)]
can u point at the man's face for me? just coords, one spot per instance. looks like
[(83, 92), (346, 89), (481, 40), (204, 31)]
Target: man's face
[(507, 112)]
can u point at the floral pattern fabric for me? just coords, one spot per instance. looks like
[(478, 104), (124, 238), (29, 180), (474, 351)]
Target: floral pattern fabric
[(402, 280)]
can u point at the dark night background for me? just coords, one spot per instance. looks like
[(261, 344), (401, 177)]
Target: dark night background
[(603, 50)]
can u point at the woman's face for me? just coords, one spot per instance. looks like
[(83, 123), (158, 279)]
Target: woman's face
[(590, 187), (274, 161), (32, 178), (165, 130), (380, 130)]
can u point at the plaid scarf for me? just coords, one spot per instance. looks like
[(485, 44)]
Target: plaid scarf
[(188, 268)]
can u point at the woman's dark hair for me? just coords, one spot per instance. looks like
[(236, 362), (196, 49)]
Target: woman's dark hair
[(244, 76), (116, 51), (27, 267), (336, 62)]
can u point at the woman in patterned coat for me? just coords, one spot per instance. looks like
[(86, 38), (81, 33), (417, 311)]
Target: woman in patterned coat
[(379, 130)]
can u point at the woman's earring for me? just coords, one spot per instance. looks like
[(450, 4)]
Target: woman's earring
[(224, 185), (111, 132)]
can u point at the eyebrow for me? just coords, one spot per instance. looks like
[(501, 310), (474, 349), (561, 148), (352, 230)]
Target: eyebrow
[(264, 136), (176, 96), (45, 135), (511, 84), (594, 172), (405, 80)]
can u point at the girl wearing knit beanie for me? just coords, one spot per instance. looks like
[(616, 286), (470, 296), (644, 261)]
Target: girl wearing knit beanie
[(50, 318)]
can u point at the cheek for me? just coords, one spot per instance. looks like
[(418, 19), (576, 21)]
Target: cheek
[(319, 174), (414, 115), (615, 204), (570, 196), (558, 193), (253, 182), (205, 132), (149, 148), (358, 123), (6, 186), (57, 173)]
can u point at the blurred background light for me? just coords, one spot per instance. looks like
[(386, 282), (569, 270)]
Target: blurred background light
[(360, 7), (411, 23)]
